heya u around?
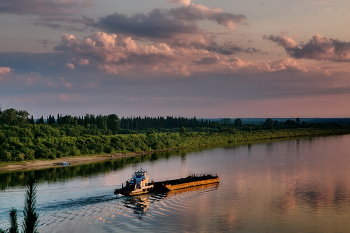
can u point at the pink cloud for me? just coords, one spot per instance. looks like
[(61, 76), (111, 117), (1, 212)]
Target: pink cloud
[(182, 2), (70, 66), (5, 70), (116, 54), (174, 27), (83, 62), (64, 98), (287, 43)]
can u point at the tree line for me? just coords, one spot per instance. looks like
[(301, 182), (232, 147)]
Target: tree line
[(22, 138), (112, 124)]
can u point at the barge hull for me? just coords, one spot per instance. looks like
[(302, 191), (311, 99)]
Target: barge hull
[(190, 181), (190, 184)]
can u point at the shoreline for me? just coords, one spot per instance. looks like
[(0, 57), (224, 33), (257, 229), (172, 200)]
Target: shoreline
[(74, 160), (86, 159)]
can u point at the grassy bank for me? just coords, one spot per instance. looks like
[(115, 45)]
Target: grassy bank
[(53, 147)]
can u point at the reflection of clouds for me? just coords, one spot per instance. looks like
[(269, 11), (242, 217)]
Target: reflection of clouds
[(299, 184), (315, 196)]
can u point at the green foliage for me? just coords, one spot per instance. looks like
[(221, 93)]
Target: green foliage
[(238, 122), (56, 146), (30, 222), (85, 135), (14, 117), (13, 221), (268, 124), (4, 155)]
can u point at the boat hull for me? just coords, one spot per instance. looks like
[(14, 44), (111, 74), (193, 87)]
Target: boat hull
[(190, 184), (128, 192)]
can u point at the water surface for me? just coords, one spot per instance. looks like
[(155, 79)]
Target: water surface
[(299, 185)]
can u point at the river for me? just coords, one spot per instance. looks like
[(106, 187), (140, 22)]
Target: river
[(296, 185)]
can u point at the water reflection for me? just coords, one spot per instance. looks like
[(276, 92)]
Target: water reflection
[(19, 178), (316, 197), (140, 203), (300, 185), (61, 173)]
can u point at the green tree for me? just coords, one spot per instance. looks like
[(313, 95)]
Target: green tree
[(225, 121), (13, 221), (238, 122), (183, 131), (31, 120), (13, 117), (113, 123), (268, 123), (4, 154), (30, 222), (40, 120)]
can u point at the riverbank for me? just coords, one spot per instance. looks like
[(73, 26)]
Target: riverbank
[(140, 144), (75, 160)]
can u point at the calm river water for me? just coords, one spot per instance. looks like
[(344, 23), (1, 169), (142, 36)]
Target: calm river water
[(299, 185)]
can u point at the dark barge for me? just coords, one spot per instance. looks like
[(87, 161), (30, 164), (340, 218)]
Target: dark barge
[(139, 183), (189, 181)]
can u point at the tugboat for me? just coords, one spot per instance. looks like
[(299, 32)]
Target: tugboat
[(138, 184)]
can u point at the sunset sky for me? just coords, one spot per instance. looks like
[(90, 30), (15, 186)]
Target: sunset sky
[(209, 59)]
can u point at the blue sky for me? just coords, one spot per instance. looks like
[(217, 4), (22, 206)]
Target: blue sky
[(273, 58)]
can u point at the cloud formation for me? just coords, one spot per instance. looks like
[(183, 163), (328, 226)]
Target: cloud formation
[(83, 62), (194, 12), (115, 54), (182, 2), (153, 25), (165, 23), (70, 66), (5, 70), (208, 42), (318, 48), (43, 7), (177, 27)]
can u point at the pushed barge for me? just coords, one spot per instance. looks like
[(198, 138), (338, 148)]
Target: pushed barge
[(139, 183)]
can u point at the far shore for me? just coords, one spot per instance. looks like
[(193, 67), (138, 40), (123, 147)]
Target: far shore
[(74, 160), (85, 159)]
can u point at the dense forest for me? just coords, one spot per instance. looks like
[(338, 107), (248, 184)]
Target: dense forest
[(24, 138)]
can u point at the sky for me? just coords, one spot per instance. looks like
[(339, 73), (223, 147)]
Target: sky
[(205, 58)]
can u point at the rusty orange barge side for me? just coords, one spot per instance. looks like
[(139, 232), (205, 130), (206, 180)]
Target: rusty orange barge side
[(190, 181)]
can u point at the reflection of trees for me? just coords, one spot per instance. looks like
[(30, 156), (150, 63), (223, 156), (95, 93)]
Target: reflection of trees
[(19, 178)]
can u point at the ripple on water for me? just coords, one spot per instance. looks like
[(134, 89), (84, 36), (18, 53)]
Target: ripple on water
[(117, 213)]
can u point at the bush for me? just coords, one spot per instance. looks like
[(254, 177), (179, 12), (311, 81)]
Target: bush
[(5, 155)]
